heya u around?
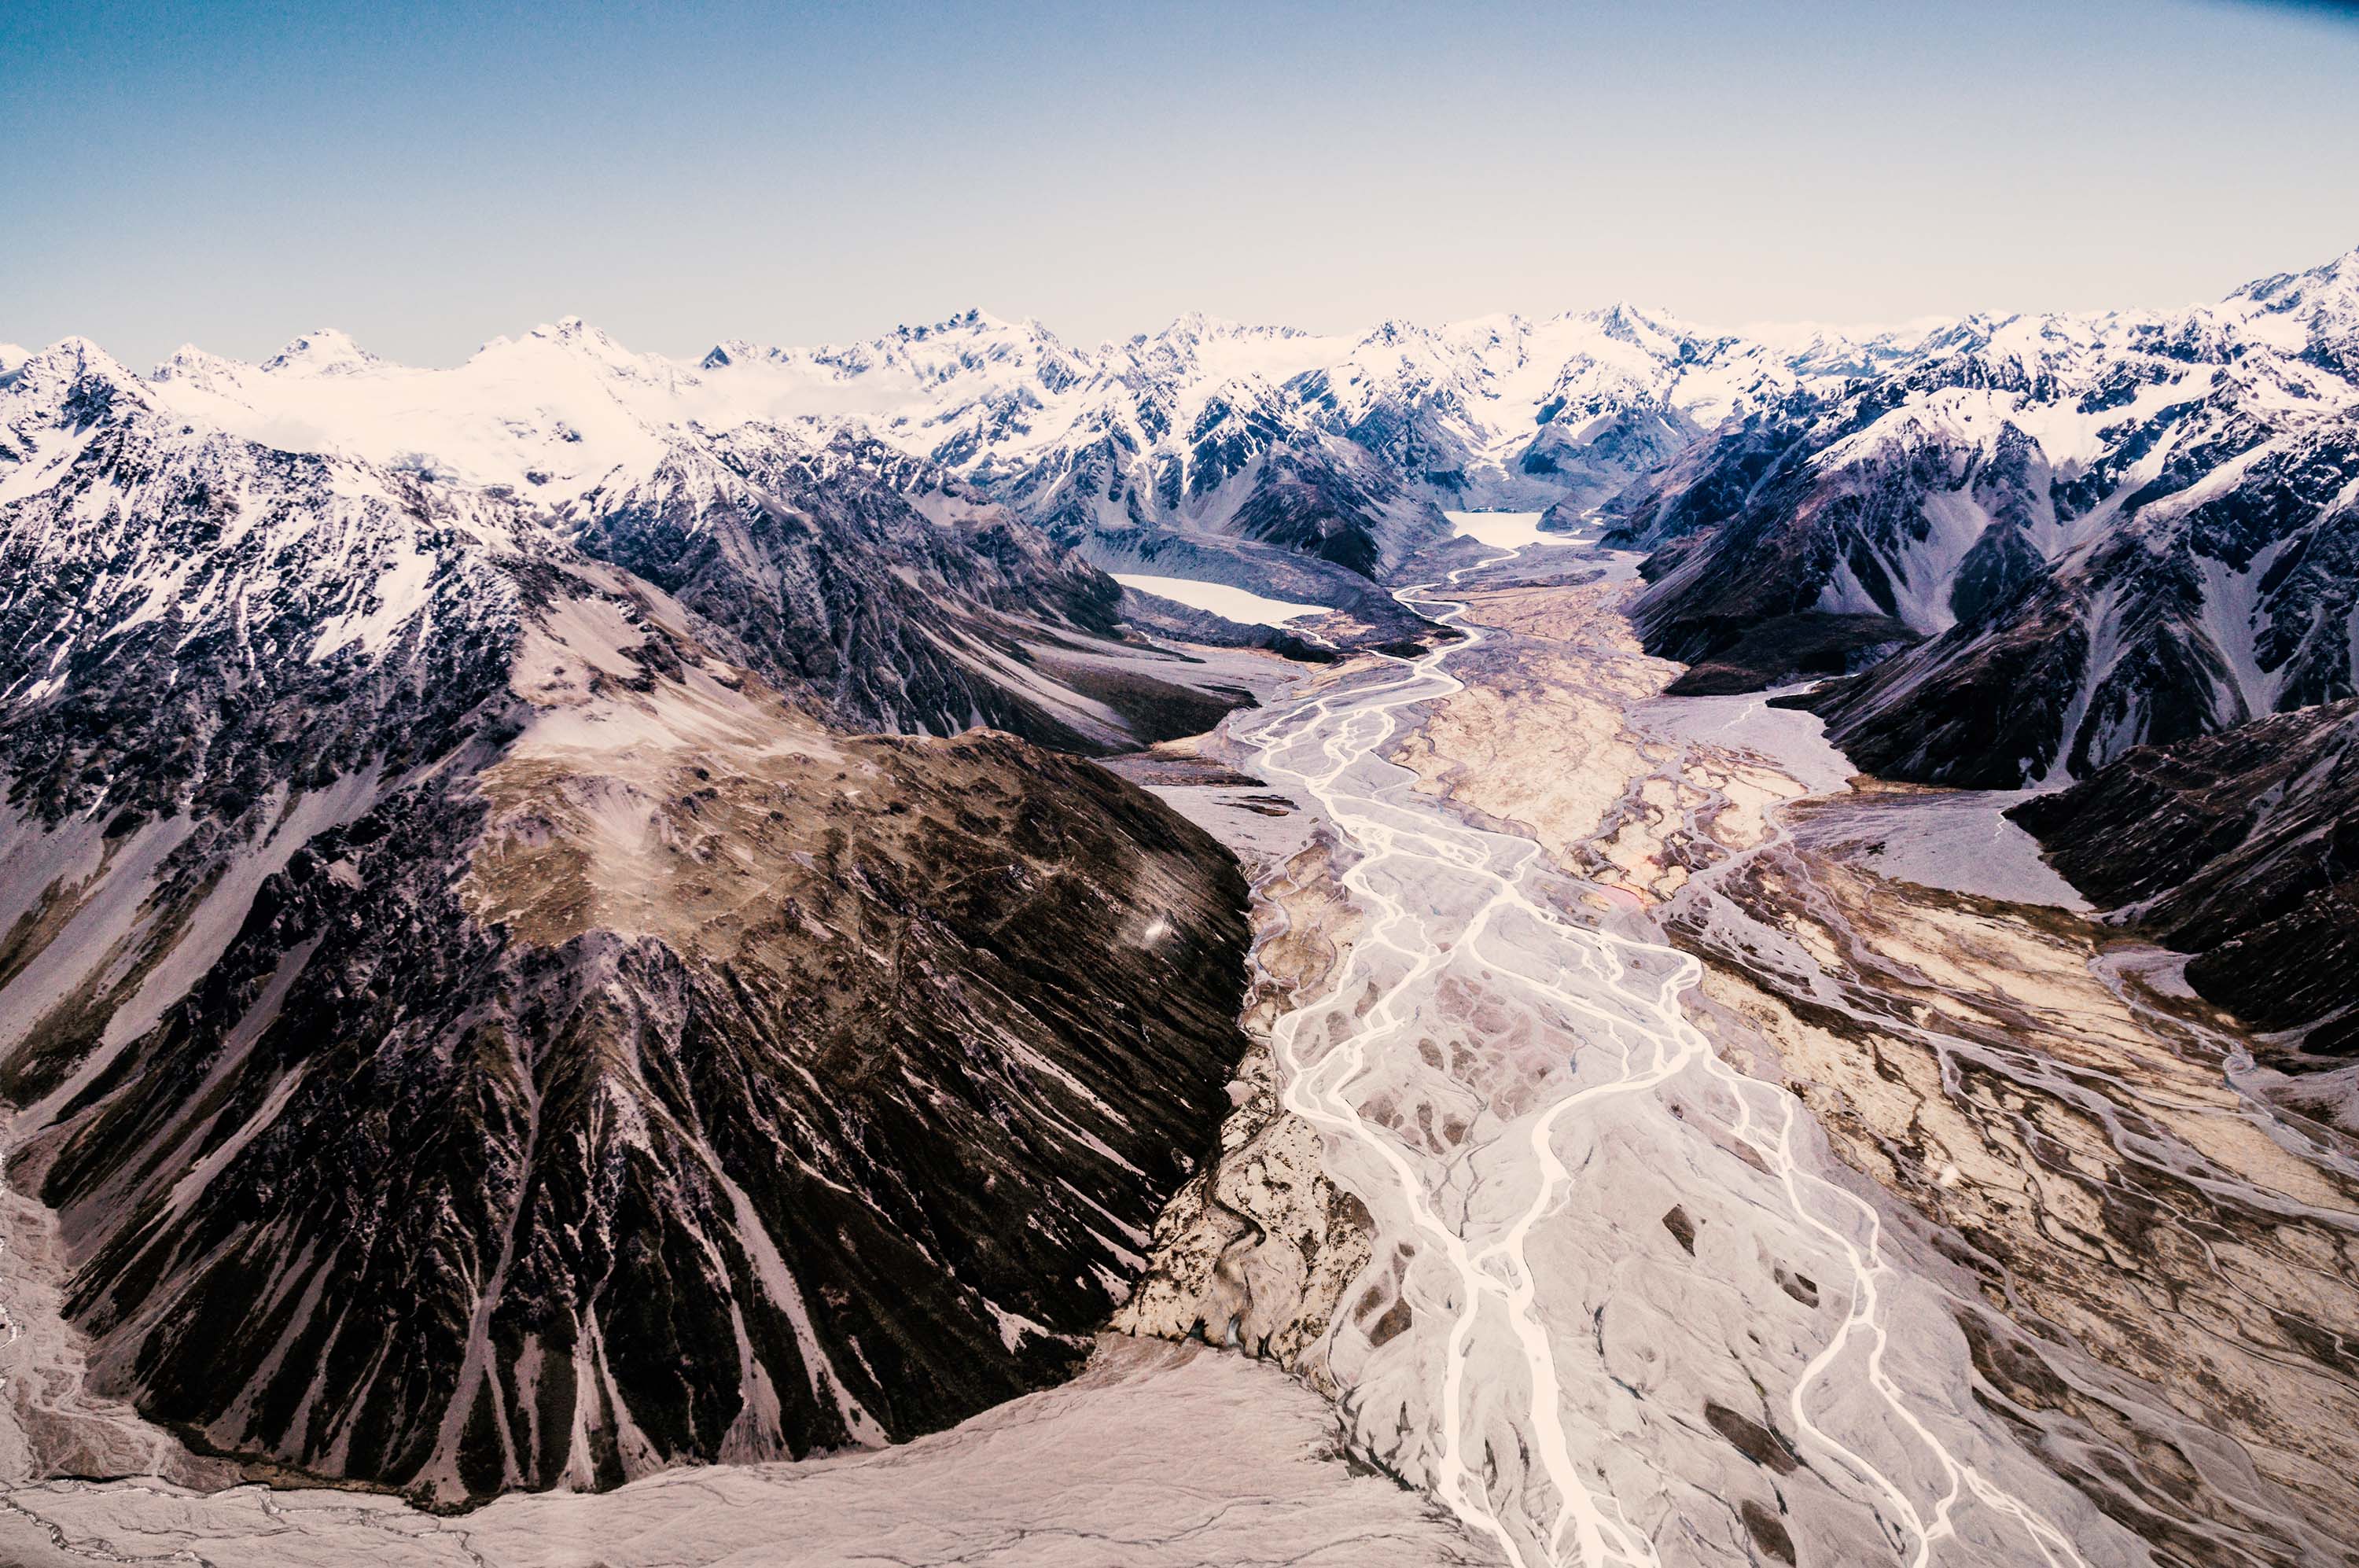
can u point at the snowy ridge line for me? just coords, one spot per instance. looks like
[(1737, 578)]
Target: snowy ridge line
[(2097, 532)]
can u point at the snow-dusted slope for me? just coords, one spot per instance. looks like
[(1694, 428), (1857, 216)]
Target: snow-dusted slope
[(478, 1030), (896, 593), (2106, 529), (190, 619), (1239, 440)]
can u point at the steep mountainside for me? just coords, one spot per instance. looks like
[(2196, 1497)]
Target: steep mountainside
[(2096, 532), (872, 580), (2242, 849), (1261, 456), (478, 1031)]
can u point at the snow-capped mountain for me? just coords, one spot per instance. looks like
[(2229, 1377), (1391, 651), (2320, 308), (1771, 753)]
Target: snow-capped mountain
[(2097, 531), (1264, 456), (896, 593), (477, 1025)]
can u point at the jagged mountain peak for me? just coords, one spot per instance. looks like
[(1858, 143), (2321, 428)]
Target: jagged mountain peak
[(326, 351), (974, 335), (565, 332), (973, 321), (1394, 330), (573, 332), (66, 369), (81, 353), (1624, 318), (2339, 275), (970, 336), (190, 363), (1199, 326)]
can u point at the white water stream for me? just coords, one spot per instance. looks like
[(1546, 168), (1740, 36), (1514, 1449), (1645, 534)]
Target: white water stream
[(1478, 1060)]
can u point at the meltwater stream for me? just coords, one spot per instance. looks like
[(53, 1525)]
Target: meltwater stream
[(1485, 1066)]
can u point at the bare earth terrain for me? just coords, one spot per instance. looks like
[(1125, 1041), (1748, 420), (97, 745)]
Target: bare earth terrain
[(1659, 1147), (1758, 1165)]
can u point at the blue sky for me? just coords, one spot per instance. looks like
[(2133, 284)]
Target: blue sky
[(428, 176)]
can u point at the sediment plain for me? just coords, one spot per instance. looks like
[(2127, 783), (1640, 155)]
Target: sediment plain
[(1656, 1146), (1758, 1162)]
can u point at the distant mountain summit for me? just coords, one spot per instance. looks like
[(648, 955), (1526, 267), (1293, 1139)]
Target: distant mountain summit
[(325, 353)]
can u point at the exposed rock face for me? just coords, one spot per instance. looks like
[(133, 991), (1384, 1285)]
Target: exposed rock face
[(2102, 532), (478, 1033), (834, 582), (2242, 849)]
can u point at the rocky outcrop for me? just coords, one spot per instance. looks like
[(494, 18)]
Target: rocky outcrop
[(2243, 849)]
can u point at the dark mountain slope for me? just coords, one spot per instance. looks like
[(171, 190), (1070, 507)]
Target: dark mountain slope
[(2099, 532), (478, 1033), (2242, 849)]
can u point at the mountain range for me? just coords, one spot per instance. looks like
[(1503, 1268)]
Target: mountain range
[(482, 1022), (535, 896), (2087, 531)]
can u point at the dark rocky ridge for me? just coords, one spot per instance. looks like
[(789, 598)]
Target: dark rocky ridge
[(2243, 849), (626, 1198), (834, 583), (478, 1033)]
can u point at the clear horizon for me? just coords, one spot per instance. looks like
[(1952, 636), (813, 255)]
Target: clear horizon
[(237, 177), (1742, 328)]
